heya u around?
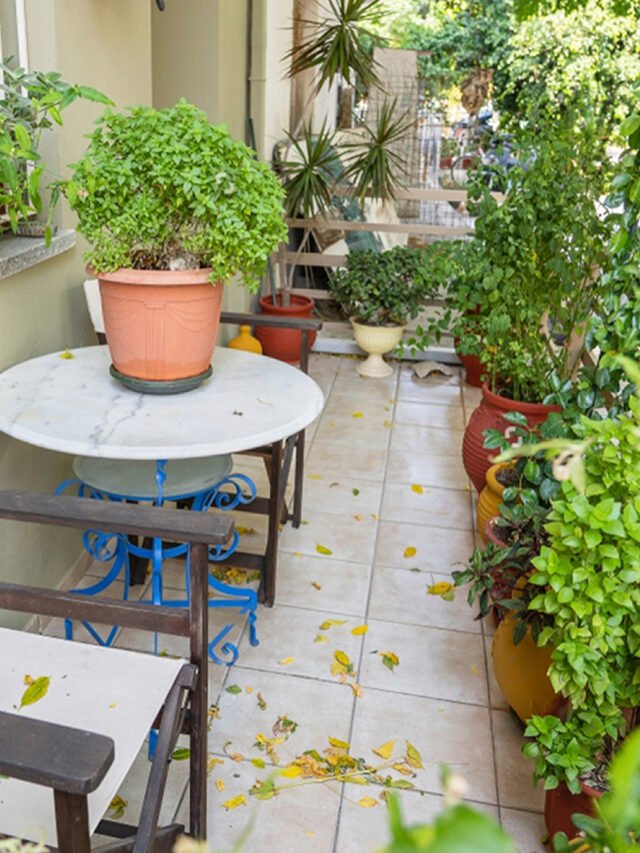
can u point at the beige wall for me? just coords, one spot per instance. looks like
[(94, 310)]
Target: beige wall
[(106, 44)]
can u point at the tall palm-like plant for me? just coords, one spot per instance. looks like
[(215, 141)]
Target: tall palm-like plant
[(310, 177)]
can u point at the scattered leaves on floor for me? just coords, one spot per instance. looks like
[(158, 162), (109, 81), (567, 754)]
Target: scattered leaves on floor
[(331, 623), (387, 424), (316, 585), (220, 784), (385, 751), (358, 517), (355, 492), (474, 670), (410, 552), (234, 689), (413, 757), (417, 488), (112, 705), (233, 576), (28, 680), (444, 589), (245, 531), (322, 549), (248, 690), (234, 756), (357, 415), (66, 354), (315, 476), (213, 713), (335, 483), (286, 661), (389, 659), (213, 762), (117, 807), (320, 638), (234, 802), (374, 516), (36, 690), (259, 762), (268, 745), (368, 802), (359, 629), (181, 754), (284, 726), (261, 702)]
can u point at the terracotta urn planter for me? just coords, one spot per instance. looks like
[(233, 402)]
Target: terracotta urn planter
[(473, 369), (376, 341), (521, 671), (490, 415), (284, 344), (161, 326), (490, 497), (560, 804)]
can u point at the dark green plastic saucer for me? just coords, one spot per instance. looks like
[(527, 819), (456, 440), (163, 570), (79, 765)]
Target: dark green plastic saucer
[(172, 386)]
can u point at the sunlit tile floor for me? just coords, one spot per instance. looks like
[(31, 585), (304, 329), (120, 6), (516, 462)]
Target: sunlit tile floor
[(387, 512)]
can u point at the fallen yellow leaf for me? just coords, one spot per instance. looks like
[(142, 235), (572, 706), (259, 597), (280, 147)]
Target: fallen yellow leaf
[(315, 476), (297, 554), (339, 744), (220, 785), (360, 629), (417, 488), (291, 771), (259, 763), (245, 531), (358, 517), (28, 680), (316, 585), (112, 705), (474, 670), (357, 415), (386, 750), (234, 802), (66, 354), (444, 589), (357, 690), (410, 552), (330, 623), (248, 690), (286, 661), (36, 691), (368, 802), (413, 757), (387, 424), (320, 638), (342, 658), (322, 549), (117, 807)]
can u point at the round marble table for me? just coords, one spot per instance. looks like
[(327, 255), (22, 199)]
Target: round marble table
[(72, 405)]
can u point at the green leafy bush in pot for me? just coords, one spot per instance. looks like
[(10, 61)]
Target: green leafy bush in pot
[(162, 189)]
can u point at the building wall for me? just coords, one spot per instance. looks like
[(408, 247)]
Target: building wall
[(106, 45)]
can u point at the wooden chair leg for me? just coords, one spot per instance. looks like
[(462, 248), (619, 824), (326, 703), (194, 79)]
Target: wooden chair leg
[(72, 822), (267, 590), (199, 656), (296, 517)]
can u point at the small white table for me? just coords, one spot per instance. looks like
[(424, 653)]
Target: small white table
[(72, 405)]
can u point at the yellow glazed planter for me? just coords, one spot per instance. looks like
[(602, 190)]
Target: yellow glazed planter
[(521, 671), (489, 499), (376, 341)]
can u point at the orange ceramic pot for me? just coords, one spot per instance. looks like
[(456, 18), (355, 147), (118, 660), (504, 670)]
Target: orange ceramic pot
[(284, 344), (161, 325), (490, 415), (490, 499), (560, 804), (521, 671)]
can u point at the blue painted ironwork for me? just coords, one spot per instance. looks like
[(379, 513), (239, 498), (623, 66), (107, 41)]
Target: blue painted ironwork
[(231, 492)]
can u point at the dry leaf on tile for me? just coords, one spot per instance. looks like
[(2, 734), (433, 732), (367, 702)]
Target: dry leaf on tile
[(117, 807), (220, 785), (359, 629), (368, 802), (444, 589), (261, 703), (322, 549), (417, 488), (413, 757), (286, 661), (410, 552), (357, 415), (316, 585), (330, 623), (320, 638), (234, 802), (36, 690), (385, 751)]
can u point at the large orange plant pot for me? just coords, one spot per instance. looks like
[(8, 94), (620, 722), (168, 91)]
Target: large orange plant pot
[(490, 499), (490, 415), (284, 344), (161, 325), (521, 671)]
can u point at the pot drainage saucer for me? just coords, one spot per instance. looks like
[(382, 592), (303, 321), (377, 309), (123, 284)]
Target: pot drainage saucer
[(151, 386)]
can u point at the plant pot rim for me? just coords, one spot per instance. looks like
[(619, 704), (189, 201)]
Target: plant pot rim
[(492, 482), (151, 278), (595, 793), (508, 405), (297, 299), (355, 322)]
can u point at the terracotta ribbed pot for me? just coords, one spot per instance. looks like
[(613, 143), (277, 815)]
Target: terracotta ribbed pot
[(490, 499), (560, 804), (521, 671), (489, 415), (473, 369), (161, 325), (284, 344)]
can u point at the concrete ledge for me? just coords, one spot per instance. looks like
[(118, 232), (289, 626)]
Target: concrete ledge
[(20, 253)]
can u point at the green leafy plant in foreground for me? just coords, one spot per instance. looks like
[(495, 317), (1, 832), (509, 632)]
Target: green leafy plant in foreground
[(158, 188)]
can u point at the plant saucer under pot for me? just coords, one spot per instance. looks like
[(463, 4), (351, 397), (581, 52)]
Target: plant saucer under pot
[(376, 341)]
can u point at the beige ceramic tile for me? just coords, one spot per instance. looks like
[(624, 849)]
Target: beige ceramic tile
[(346, 538), (424, 439), (344, 430), (401, 596), (342, 464), (320, 710), (527, 830), (495, 694), (448, 418), (515, 786), (433, 662), (445, 508), (337, 490), (133, 788), (359, 388), (443, 732), (321, 583), (472, 396), (407, 466), (436, 550), (288, 633), (348, 367), (360, 833)]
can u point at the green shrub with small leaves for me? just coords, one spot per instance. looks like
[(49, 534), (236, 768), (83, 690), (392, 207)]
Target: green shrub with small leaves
[(160, 186)]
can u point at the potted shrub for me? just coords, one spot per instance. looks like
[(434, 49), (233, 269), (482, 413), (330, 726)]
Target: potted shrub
[(31, 103), (172, 207), (380, 292)]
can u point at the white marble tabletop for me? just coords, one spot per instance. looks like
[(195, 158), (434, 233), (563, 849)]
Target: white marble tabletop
[(73, 405)]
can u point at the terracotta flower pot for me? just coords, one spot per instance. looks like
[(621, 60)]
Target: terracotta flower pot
[(473, 369), (521, 671), (161, 325), (490, 499), (376, 341), (560, 804), (284, 344), (490, 415)]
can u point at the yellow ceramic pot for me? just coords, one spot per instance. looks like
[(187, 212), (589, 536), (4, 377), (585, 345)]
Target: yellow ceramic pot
[(489, 499), (521, 671)]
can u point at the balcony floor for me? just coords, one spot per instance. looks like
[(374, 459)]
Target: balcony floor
[(383, 475)]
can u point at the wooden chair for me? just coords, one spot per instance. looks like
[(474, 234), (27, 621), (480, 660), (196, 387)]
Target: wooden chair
[(278, 457), (61, 776)]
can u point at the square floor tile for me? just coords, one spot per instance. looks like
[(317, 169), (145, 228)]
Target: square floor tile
[(361, 388), (450, 418), (320, 710), (341, 464), (424, 439), (434, 391), (366, 833), (289, 632), (433, 662), (445, 508), (436, 550), (515, 772), (345, 431), (346, 538), (321, 583), (408, 466), (442, 732), (472, 397), (496, 698), (527, 830), (398, 595), (337, 490)]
